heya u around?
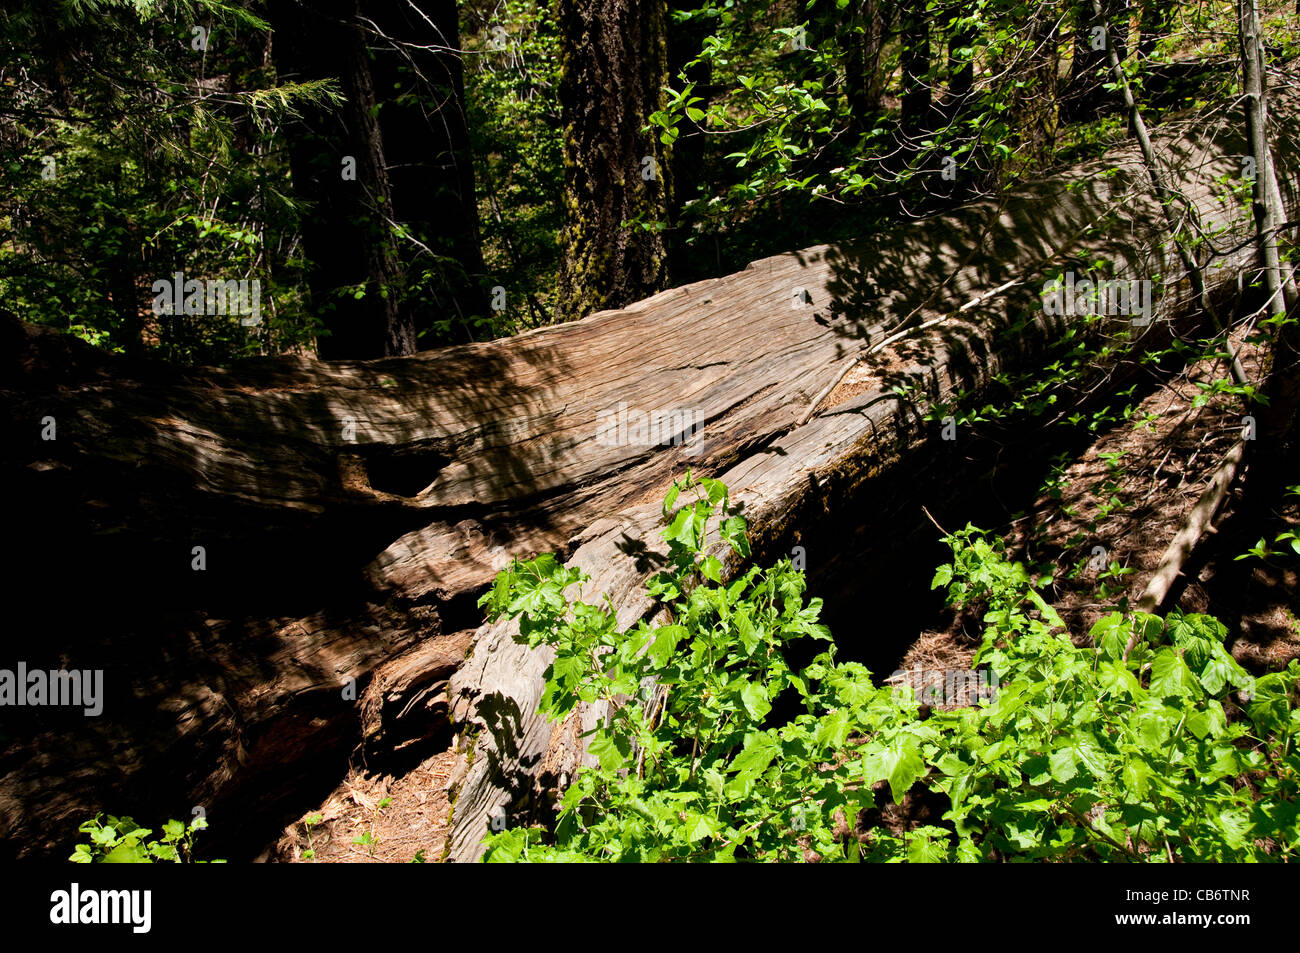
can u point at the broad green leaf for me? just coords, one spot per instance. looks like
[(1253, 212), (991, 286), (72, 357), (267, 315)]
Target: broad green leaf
[(833, 729), (754, 698), (664, 644), (1061, 765), (130, 852), (759, 750), (1136, 775), (1116, 678), (899, 763), (1171, 678), (700, 826), (612, 750)]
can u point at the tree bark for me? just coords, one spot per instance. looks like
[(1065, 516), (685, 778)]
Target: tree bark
[(863, 72), (914, 62), (687, 158), (123, 287), (337, 159), (1083, 98), (1267, 199), (417, 64), (613, 70), (1278, 419), (1036, 105), (961, 70)]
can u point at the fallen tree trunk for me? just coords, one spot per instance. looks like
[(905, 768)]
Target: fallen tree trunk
[(346, 516), (513, 757)]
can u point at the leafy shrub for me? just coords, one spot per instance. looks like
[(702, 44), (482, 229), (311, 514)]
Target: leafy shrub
[(1084, 754), (119, 840)]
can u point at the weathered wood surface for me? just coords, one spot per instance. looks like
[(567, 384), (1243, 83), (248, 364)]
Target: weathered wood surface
[(926, 275), (352, 512)]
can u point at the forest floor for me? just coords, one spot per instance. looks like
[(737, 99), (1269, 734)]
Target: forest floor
[(376, 818), (1132, 490), (1102, 524)]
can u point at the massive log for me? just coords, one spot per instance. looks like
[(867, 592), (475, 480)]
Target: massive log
[(348, 515)]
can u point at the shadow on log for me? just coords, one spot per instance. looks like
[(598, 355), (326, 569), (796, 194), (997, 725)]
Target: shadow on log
[(346, 516)]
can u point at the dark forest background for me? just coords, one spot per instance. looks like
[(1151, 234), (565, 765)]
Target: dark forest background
[(406, 174)]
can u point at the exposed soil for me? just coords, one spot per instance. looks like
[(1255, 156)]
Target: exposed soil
[(377, 819)]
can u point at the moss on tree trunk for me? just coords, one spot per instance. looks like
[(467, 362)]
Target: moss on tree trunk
[(613, 69)]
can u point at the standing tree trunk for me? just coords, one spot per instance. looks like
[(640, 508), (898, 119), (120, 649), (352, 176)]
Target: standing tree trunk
[(1278, 417), (1084, 97), (687, 162), (417, 63), (337, 159), (126, 305), (961, 69), (1035, 105), (614, 67), (863, 76), (915, 63), (916, 113), (121, 282)]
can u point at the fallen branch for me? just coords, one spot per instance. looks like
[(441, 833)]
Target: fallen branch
[(1185, 540), (896, 337)]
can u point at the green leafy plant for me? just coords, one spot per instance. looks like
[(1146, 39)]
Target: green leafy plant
[(1112, 580), (368, 840), (1088, 754), (711, 746), (689, 771), (1289, 537), (308, 823), (120, 840)]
